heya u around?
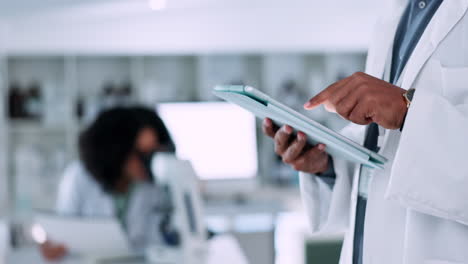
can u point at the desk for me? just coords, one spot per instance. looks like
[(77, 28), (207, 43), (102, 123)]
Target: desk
[(221, 249)]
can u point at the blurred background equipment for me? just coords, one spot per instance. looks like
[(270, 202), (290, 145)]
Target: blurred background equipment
[(248, 199)]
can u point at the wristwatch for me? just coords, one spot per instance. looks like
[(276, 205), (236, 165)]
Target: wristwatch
[(408, 96)]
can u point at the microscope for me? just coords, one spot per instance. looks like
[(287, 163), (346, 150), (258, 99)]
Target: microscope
[(183, 226)]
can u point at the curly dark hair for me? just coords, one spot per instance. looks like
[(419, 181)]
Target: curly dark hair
[(106, 144)]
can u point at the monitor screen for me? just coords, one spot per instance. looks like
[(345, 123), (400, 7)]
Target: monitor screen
[(218, 138)]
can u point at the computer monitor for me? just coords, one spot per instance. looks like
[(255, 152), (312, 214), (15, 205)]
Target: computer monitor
[(218, 138)]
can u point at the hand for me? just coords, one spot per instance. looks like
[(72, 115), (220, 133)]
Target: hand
[(51, 251), (363, 99), (295, 151)]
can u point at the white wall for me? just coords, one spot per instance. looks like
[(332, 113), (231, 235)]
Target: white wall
[(261, 26)]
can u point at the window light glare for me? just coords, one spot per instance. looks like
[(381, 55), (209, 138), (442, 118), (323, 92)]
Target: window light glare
[(157, 4)]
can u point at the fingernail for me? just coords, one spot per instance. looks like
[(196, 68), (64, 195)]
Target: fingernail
[(287, 129), (307, 105), (267, 122), (321, 147), (301, 136)]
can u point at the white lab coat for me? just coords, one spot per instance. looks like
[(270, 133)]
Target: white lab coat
[(417, 209), (81, 196)]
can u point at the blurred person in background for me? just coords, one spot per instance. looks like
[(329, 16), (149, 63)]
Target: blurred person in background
[(112, 178)]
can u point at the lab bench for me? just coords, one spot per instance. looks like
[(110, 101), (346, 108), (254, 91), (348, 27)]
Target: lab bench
[(222, 249)]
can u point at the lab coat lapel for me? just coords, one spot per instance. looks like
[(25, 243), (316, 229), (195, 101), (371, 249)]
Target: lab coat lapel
[(382, 43), (380, 52), (449, 13)]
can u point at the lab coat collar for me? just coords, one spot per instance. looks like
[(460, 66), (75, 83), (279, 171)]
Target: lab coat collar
[(383, 39), (446, 17)]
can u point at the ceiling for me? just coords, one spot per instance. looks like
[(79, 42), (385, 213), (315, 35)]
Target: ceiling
[(118, 26), (32, 7), (25, 8)]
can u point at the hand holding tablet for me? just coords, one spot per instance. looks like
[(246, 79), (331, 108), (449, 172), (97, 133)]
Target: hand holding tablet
[(263, 106)]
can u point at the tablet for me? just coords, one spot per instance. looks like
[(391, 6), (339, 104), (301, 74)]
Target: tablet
[(85, 236), (263, 106)]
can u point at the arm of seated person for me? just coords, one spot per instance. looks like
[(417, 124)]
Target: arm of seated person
[(52, 251)]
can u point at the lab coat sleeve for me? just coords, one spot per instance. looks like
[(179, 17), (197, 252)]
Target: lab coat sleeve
[(328, 206), (68, 197), (430, 170)]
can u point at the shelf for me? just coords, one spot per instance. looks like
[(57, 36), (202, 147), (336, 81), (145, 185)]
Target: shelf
[(34, 126), (94, 73), (168, 78)]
